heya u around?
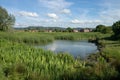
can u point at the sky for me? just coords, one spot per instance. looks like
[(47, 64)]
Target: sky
[(63, 13)]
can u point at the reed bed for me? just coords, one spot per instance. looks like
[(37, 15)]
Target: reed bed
[(19, 61)]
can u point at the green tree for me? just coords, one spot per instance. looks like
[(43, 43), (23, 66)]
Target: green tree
[(57, 30), (6, 20), (107, 29), (103, 29), (116, 28), (69, 29), (100, 28)]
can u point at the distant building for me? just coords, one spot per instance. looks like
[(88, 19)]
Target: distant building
[(48, 31), (85, 30), (33, 31), (75, 30), (20, 30)]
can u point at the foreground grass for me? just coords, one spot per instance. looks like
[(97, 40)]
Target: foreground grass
[(22, 62), (19, 61)]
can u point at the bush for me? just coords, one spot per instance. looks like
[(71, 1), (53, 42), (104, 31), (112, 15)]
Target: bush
[(116, 28)]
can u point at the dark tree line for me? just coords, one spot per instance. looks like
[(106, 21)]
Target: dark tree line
[(115, 29), (103, 29)]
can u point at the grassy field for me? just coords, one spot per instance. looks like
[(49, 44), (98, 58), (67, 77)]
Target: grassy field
[(19, 61), (44, 38)]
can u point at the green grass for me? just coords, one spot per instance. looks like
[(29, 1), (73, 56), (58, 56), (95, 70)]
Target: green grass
[(44, 38), (22, 62), (111, 53), (111, 48), (19, 61), (25, 37), (28, 61)]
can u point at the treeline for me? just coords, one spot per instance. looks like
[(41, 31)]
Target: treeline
[(41, 28), (103, 29), (53, 29), (115, 29)]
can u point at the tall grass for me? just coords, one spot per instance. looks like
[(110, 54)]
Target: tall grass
[(25, 37), (19, 61), (43, 38), (111, 53), (22, 62), (28, 61)]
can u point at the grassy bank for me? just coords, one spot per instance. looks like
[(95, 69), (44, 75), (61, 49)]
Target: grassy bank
[(44, 38), (22, 62), (27, 37), (19, 61), (111, 52)]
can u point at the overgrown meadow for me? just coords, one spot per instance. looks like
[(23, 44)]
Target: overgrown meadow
[(19, 60)]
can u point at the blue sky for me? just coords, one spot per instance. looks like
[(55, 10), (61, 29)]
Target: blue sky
[(63, 13)]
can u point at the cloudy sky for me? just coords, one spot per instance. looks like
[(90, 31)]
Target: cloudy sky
[(63, 13)]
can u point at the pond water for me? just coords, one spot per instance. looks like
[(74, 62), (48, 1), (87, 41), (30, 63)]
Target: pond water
[(76, 48)]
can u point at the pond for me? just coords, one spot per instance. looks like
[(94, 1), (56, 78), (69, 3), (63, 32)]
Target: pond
[(76, 48)]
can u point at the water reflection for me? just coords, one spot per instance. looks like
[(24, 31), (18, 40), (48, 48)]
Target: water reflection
[(76, 48)]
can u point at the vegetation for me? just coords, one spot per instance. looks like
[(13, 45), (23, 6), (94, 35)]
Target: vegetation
[(43, 38), (116, 30), (22, 62), (69, 29), (103, 29), (6, 20)]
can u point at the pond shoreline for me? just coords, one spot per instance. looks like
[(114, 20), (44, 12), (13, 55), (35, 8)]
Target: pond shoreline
[(100, 46), (81, 48)]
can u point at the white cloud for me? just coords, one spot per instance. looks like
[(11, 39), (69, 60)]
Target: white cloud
[(93, 21), (52, 15), (55, 4), (110, 4), (20, 25), (110, 11), (110, 14), (28, 14), (107, 13), (66, 11), (76, 21)]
